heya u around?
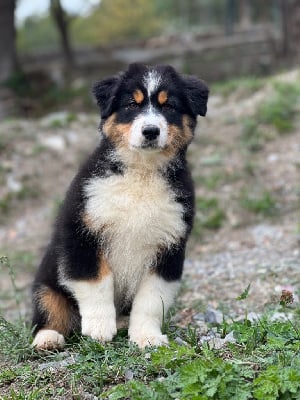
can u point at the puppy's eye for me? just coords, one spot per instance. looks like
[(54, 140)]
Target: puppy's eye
[(168, 107), (132, 105)]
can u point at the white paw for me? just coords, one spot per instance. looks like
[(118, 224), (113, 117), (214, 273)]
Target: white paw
[(48, 339), (144, 340), (101, 329)]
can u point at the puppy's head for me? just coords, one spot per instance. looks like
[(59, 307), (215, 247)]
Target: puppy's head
[(150, 109)]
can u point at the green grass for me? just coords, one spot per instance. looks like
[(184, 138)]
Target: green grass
[(245, 86), (259, 203), (276, 114), (281, 109), (252, 136), (9, 201), (209, 215), (262, 364), (216, 178)]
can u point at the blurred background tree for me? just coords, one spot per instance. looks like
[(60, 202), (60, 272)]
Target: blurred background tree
[(117, 21), (8, 54), (103, 36), (62, 22)]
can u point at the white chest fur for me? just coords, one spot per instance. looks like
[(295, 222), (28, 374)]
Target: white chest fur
[(138, 215)]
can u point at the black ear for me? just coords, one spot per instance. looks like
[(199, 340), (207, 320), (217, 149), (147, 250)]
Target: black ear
[(104, 92), (197, 93)]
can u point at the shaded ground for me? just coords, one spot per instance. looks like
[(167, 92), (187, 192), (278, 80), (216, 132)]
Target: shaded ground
[(247, 226)]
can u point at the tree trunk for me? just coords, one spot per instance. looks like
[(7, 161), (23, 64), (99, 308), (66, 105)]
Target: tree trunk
[(62, 23), (8, 54), (286, 27), (245, 14), (230, 16)]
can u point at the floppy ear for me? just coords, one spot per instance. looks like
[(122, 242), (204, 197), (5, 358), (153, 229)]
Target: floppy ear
[(104, 92), (197, 93)]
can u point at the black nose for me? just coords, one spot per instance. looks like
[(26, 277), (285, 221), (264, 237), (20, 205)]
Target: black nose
[(151, 132)]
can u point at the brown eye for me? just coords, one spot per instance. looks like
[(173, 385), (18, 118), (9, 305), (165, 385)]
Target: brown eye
[(168, 107), (132, 105)]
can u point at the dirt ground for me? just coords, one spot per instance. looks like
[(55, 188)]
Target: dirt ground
[(247, 244)]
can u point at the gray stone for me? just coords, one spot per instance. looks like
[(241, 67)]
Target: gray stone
[(53, 366), (181, 342), (53, 142), (213, 316), (128, 375), (218, 343), (60, 117)]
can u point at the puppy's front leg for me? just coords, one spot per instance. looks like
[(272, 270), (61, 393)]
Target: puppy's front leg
[(153, 299), (95, 299)]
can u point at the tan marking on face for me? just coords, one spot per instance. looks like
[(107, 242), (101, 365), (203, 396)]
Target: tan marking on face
[(162, 97), (57, 309), (118, 133), (138, 96), (178, 138)]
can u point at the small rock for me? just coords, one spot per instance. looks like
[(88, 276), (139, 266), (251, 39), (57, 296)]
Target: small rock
[(280, 316), (72, 137), (229, 338), (218, 343), (128, 375), (88, 396), (53, 366), (213, 316), (60, 117), (181, 342), (273, 158), (54, 142), (13, 185), (253, 316), (201, 324), (199, 317), (263, 233)]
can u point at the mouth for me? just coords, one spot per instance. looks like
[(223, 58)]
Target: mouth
[(147, 148), (150, 145)]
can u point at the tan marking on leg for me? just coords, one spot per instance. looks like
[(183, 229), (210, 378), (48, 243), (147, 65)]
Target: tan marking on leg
[(57, 309), (162, 97), (104, 268), (138, 96)]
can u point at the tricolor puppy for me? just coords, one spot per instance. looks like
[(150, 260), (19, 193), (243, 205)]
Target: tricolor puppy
[(119, 241)]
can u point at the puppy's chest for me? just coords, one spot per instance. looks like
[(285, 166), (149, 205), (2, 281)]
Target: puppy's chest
[(136, 213)]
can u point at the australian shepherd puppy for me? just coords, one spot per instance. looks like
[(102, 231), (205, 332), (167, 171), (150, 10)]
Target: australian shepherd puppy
[(119, 241)]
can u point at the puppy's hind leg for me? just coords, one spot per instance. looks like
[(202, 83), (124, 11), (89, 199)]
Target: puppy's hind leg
[(52, 318)]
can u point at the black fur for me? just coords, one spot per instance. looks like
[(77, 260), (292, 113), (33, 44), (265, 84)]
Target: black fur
[(76, 246)]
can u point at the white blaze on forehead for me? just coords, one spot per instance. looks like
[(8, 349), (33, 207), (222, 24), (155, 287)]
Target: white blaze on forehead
[(152, 80)]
